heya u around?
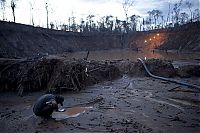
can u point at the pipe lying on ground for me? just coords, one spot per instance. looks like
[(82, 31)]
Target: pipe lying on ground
[(168, 79)]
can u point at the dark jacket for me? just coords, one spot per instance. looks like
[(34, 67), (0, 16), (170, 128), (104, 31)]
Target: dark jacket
[(41, 108)]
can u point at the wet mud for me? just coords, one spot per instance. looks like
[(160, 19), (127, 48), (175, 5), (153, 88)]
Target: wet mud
[(129, 104)]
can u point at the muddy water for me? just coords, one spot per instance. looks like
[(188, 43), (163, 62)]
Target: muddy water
[(76, 110), (133, 55), (70, 112)]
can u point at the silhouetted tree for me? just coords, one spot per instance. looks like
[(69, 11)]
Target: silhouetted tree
[(31, 13), (126, 6), (134, 21), (82, 25), (52, 25), (90, 20), (63, 27), (102, 24), (184, 17), (156, 15), (197, 14), (109, 22), (13, 6), (73, 25), (46, 7), (3, 3), (189, 5), (118, 25), (176, 10), (150, 13)]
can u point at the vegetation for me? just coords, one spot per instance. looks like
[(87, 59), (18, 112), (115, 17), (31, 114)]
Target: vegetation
[(156, 19)]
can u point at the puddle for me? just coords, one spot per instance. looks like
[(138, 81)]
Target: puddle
[(70, 112), (75, 111)]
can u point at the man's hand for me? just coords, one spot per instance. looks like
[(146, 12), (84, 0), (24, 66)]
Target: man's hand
[(53, 104)]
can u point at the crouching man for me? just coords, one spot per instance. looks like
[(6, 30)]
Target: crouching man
[(46, 104)]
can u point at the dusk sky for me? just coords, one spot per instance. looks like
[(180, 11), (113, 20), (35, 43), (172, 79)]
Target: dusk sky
[(61, 10)]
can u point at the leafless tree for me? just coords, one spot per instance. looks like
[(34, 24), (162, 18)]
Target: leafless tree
[(150, 13), (134, 21), (47, 10), (156, 14), (176, 10), (189, 5), (3, 3), (184, 17), (90, 20), (197, 14), (109, 22), (31, 13), (13, 6), (126, 6)]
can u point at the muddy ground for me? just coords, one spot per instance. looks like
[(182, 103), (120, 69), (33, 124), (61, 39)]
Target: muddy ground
[(137, 104), (127, 99)]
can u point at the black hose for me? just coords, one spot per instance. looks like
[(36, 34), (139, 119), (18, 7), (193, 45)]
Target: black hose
[(168, 79)]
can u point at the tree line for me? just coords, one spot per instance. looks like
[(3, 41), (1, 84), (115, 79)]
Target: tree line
[(156, 19)]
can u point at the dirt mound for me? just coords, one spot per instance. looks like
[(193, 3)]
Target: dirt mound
[(185, 38), (157, 67), (53, 74), (188, 71), (18, 40)]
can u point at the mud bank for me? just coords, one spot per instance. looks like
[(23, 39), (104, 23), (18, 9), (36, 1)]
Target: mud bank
[(18, 40), (57, 74)]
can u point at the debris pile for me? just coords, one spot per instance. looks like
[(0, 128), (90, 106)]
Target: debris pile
[(158, 67), (53, 75), (59, 74), (188, 71)]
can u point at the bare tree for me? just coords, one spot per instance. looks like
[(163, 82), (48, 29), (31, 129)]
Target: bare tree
[(3, 3), (189, 5), (151, 15), (52, 25), (109, 22), (176, 10), (82, 25), (118, 25), (73, 21), (126, 6), (31, 13), (46, 7), (184, 17), (134, 21), (156, 15), (90, 20), (13, 6), (197, 14)]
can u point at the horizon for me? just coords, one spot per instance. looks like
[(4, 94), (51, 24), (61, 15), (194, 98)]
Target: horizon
[(35, 10)]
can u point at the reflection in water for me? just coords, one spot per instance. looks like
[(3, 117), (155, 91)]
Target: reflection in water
[(132, 55), (70, 112), (76, 110)]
